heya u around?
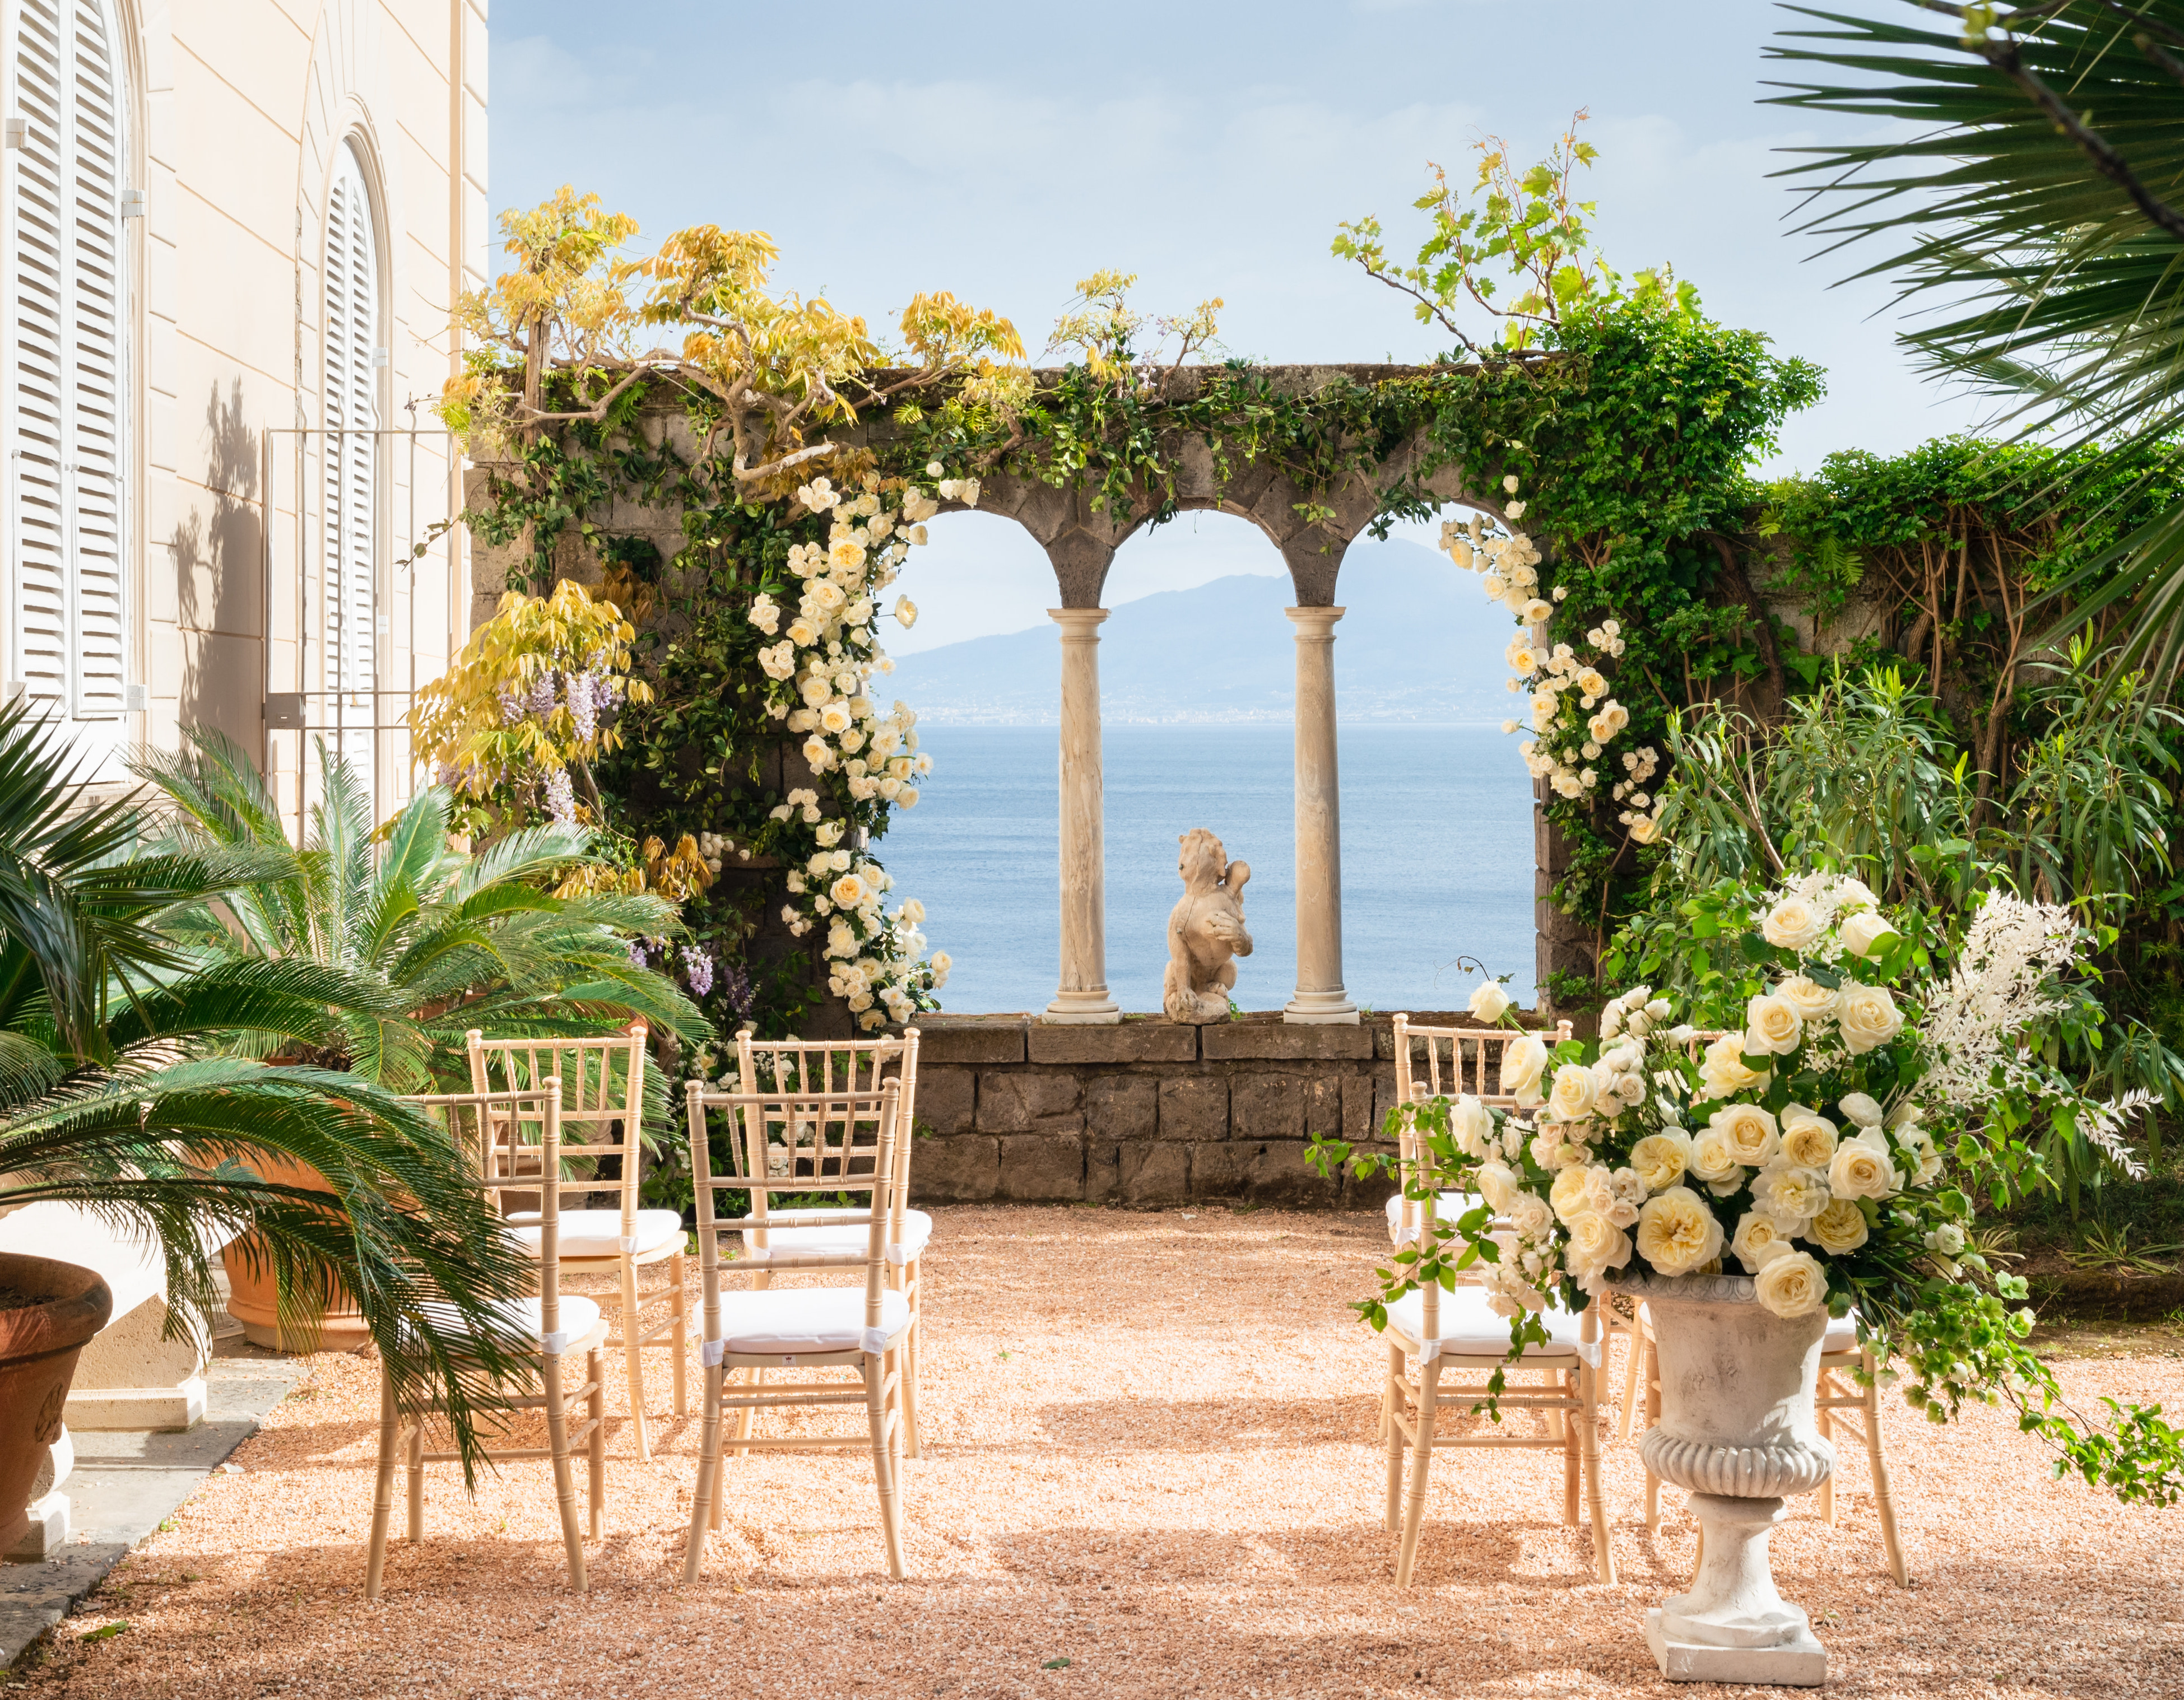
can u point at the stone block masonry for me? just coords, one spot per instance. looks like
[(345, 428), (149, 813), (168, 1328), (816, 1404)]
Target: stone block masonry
[(1147, 1112)]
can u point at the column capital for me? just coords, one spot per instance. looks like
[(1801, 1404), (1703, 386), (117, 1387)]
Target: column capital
[(1077, 622), (1314, 622)]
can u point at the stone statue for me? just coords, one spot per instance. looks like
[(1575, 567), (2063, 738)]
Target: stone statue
[(1205, 931)]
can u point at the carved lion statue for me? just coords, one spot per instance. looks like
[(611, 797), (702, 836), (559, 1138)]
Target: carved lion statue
[(1205, 932)]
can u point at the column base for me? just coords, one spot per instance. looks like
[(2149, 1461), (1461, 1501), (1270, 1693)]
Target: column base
[(1320, 1009), (1093, 1008)]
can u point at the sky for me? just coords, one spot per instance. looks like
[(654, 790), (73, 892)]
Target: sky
[(1004, 151)]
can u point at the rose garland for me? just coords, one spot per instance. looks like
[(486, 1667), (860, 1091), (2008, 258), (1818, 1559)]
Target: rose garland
[(1571, 739), (820, 675)]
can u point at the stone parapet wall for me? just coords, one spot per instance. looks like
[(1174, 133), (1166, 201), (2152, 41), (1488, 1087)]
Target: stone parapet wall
[(1148, 1112)]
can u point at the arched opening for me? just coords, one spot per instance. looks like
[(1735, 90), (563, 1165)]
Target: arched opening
[(354, 356), (1197, 673), (67, 370)]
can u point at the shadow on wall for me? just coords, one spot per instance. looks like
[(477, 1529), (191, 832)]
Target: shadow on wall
[(217, 548)]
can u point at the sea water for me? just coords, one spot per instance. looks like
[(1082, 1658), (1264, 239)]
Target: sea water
[(1436, 858)]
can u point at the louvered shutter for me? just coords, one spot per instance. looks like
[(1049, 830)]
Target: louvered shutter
[(352, 459), (66, 371)]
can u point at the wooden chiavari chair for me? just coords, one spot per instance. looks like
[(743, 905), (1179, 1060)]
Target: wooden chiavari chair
[(546, 1331), (1458, 1330), (821, 1068), (859, 1328), (1449, 1061), (602, 1114)]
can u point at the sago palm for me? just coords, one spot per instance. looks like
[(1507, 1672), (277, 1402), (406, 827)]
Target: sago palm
[(417, 942), (118, 1094), (2037, 209)]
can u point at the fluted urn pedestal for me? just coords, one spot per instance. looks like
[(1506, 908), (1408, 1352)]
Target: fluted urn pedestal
[(1737, 1430)]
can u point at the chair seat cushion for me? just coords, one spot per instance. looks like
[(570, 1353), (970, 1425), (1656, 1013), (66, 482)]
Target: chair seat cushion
[(917, 1229), (579, 1318), (1470, 1329), (598, 1233), (806, 1319), (1450, 1207)]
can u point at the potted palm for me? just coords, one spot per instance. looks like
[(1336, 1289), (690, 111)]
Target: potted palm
[(121, 1093), (417, 944)]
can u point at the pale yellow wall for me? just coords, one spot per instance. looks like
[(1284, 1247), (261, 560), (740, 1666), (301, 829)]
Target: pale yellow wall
[(239, 105)]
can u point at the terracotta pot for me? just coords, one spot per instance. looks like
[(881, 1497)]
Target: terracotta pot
[(252, 1299), (38, 1347), (1737, 1430)]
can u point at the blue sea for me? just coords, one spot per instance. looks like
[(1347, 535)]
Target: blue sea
[(1436, 858)]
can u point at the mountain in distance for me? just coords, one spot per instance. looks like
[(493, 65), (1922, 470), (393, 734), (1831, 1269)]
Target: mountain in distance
[(1419, 643)]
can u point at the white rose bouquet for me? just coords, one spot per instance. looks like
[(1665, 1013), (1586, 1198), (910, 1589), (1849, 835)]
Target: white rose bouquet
[(1795, 1122)]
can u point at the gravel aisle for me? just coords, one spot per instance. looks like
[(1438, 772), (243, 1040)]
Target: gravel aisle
[(1149, 1471)]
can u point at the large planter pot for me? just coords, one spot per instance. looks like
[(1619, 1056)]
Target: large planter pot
[(1737, 1431), (39, 1340), (254, 1301)]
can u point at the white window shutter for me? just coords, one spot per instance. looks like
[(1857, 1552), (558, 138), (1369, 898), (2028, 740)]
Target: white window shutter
[(66, 368), (352, 461)]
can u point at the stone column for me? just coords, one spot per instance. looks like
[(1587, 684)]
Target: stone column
[(1319, 997), (1083, 997)]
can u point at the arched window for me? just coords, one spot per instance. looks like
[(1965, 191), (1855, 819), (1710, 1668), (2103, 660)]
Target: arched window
[(66, 365), (352, 344)]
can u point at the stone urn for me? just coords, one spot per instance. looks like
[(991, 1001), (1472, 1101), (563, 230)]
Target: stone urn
[(47, 1311), (1737, 1431)]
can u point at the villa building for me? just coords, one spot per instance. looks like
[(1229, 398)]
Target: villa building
[(214, 508)]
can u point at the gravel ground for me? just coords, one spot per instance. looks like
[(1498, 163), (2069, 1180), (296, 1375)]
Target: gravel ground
[(1150, 1470)]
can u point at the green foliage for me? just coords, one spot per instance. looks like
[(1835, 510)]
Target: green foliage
[(150, 1123)]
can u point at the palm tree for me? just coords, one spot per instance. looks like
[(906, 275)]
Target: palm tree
[(2038, 208), (120, 1092), (422, 942)]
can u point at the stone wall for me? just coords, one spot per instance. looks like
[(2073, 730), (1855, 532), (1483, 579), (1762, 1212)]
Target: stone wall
[(1147, 1112)]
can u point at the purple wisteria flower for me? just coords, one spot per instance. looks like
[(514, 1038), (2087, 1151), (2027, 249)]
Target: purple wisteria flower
[(560, 796), (637, 956), (582, 689), (698, 968), (542, 694), (736, 987)]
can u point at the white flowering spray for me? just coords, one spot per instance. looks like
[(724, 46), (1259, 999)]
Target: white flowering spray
[(1818, 1121)]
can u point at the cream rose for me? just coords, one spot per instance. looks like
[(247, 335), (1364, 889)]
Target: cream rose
[(1838, 1229), (1858, 1108), (1807, 1140), (1529, 1214), (1523, 1062), (1575, 1091), (1579, 1190), (1790, 924), (1498, 1186), (1677, 1232), (1488, 1003), (1793, 1285), (1596, 1246), (1713, 1161), (1661, 1158), (1862, 933), (1812, 1001), (1749, 1130), (1759, 1239), (1870, 1018), (1861, 1171), (1721, 1071), (1789, 1192), (1772, 1026), (1471, 1125)]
